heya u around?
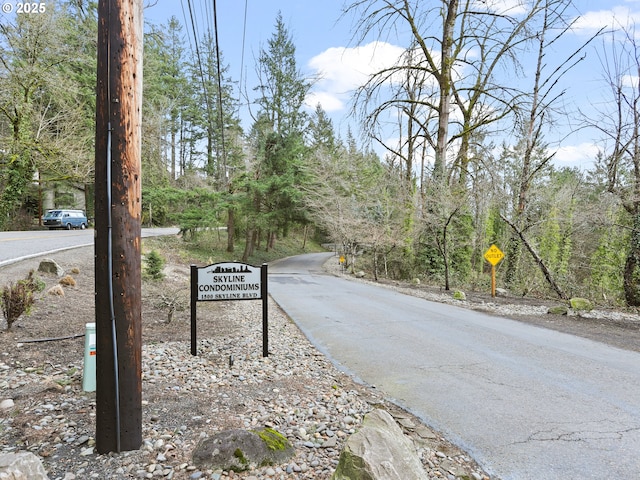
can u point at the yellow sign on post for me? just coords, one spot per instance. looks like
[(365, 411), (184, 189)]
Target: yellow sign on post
[(494, 255)]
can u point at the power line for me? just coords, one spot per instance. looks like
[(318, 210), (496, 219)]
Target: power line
[(205, 90), (220, 114), (244, 36), (194, 29)]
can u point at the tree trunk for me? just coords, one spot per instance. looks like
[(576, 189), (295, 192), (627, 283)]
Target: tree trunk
[(249, 244), (173, 152), (304, 238), (444, 82), (632, 266), (543, 267), (512, 259), (231, 230)]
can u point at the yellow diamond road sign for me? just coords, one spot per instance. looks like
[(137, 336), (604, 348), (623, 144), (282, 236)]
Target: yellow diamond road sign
[(493, 255)]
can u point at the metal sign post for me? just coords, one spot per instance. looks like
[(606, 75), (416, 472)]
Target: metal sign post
[(229, 281)]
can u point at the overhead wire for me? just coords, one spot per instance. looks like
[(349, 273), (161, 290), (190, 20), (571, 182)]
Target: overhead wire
[(194, 30), (244, 36), (198, 56), (219, 72)]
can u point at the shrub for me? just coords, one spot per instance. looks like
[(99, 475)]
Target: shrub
[(155, 264), (67, 281), (16, 299), (34, 283)]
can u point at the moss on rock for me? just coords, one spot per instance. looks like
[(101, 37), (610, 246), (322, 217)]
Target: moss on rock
[(272, 439), (581, 304)]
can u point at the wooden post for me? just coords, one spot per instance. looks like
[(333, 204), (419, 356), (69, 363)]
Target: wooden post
[(264, 293), (194, 310), (117, 226), (493, 281)]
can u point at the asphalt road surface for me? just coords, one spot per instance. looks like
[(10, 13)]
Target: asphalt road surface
[(16, 246), (525, 402)]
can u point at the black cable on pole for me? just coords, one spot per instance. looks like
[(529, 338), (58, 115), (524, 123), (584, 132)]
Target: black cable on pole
[(112, 316), (220, 112)]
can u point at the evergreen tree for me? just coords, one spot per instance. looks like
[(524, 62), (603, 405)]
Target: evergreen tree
[(278, 139)]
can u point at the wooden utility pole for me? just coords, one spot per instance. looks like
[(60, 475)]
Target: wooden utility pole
[(117, 226)]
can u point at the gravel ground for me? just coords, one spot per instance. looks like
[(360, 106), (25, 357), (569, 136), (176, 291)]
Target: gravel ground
[(295, 390)]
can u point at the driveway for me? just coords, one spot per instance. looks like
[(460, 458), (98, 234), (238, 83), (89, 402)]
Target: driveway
[(524, 401)]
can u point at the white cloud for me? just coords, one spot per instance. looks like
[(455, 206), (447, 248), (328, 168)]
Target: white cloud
[(502, 7), (617, 17), (630, 81), (576, 155), (330, 102), (341, 70)]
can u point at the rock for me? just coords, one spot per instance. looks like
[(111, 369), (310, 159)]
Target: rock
[(379, 450), (330, 442), (501, 292), (581, 304), (240, 450), (67, 281), (459, 295), (50, 266), (21, 466), (360, 274), (6, 404), (559, 310), (56, 291)]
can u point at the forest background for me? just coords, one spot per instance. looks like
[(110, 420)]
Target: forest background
[(425, 205)]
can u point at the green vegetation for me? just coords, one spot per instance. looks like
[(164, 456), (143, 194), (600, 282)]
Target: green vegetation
[(272, 439), (210, 247), (154, 265), (16, 299), (240, 456), (423, 206)]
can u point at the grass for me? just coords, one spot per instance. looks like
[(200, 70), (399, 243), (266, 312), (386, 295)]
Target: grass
[(210, 247)]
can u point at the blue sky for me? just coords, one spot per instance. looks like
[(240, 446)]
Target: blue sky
[(325, 49)]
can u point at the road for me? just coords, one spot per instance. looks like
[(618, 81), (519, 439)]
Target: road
[(525, 402), (17, 246)]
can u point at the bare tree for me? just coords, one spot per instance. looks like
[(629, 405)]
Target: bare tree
[(358, 202), (535, 115), (440, 75), (620, 128)]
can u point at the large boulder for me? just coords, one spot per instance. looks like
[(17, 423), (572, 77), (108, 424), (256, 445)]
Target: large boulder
[(240, 450), (48, 265), (379, 451), (581, 304), (21, 466), (501, 292), (459, 295), (558, 310)]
